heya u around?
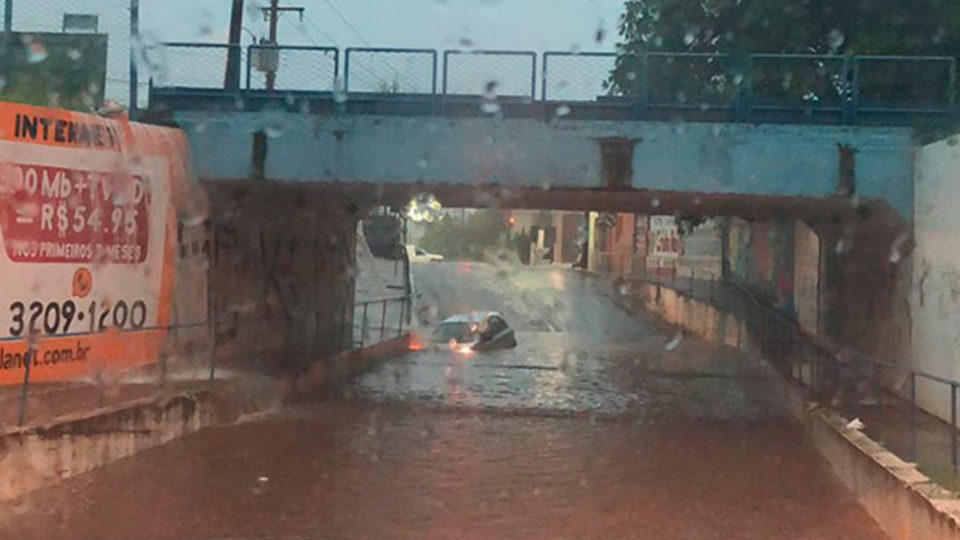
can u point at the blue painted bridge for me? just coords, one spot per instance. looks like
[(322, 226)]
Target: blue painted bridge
[(699, 134)]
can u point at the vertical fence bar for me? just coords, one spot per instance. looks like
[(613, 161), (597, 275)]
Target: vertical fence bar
[(213, 330), (383, 319), (913, 417), (363, 325), (533, 77), (433, 82), (403, 304), (543, 77), (25, 385), (346, 70), (878, 387), (953, 426)]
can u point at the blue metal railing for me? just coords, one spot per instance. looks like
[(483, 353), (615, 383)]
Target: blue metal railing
[(431, 54), (477, 86), (326, 59), (907, 81), (837, 87), (545, 85)]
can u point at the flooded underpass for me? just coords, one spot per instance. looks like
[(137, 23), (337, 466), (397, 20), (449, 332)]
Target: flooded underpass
[(599, 424)]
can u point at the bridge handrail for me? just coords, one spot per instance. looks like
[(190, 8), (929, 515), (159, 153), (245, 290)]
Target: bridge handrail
[(390, 50), (740, 96)]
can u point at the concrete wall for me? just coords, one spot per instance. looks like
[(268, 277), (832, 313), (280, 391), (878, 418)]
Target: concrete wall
[(282, 272), (706, 158), (935, 291), (806, 277)]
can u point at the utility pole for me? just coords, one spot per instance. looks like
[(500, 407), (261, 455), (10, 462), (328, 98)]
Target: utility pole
[(134, 39), (231, 77), (7, 56), (272, 14)]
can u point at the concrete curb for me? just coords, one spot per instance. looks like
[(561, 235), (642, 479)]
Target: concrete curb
[(320, 377), (903, 501)]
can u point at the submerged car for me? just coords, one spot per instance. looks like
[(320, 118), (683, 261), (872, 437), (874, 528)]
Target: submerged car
[(475, 331), (418, 254)]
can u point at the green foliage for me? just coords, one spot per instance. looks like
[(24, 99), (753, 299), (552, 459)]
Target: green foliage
[(55, 70), (453, 238), (738, 27)]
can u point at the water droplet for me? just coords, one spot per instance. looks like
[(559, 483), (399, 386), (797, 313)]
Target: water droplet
[(274, 130), (631, 75), (422, 163), (841, 246), (263, 479), (74, 54), (36, 51), (490, 107), (896, 253), (561, 111), (689, 38), (623, 289), (655, 202), (600, 33), (704, 107), (200, 127), (835, 39), (339, 96), (675, 342), (738, 79)]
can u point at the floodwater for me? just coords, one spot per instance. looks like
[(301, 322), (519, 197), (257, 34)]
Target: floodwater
[(595, 426)]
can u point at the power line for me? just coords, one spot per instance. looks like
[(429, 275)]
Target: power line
[(313, 41), (348, 23), (375, 76)]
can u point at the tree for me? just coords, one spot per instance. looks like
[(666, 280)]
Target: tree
[(450, 237), (739, 27)]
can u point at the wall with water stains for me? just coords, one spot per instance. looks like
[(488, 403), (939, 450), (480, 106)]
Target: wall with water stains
[(935, 290), (282, 268)]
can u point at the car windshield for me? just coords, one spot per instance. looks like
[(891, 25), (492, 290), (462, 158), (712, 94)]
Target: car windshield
[(462, 332), (409, 268)]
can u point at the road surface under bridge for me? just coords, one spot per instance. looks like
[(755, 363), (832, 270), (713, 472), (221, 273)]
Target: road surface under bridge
[(600, 424)]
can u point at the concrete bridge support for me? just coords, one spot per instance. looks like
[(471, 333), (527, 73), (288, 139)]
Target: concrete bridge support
[(282, 267)]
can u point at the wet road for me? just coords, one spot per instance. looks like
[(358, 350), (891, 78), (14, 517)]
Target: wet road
[(598, 425)]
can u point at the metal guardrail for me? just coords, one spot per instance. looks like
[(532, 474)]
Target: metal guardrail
[(840, 88), (375, 319), (489, 72), (575, 76), (390, 71), (295, 68), (880, 392)]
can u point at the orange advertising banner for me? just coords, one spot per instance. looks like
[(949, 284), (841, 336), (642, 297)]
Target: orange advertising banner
[(87, 241)]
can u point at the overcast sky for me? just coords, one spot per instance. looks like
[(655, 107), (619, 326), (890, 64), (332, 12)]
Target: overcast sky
[(502, 24)]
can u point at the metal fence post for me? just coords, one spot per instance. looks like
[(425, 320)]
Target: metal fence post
[(953, 426), (28, 359), (913, 417), (363, 325), (692, 274), (403, 304), (383, 319)]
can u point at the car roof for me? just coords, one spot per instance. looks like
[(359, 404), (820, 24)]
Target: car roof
[(472, 316)]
